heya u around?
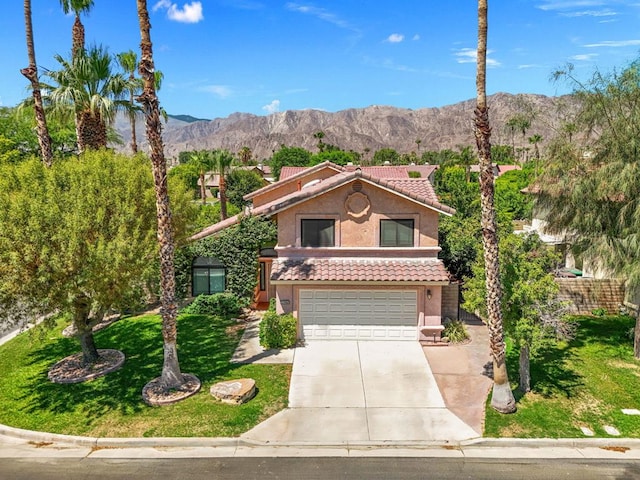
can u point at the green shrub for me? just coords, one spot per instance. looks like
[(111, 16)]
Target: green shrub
[(455, 331), (222, 304), (272, 304), (599, 312), (278, 331)]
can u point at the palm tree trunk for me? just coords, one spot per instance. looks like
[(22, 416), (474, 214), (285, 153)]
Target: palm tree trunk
[(91, 131), (77, 37), (171, 375), (502, 399), (223, 196), (203, 189), (31, 73)]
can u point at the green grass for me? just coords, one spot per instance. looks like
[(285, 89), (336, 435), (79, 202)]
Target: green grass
[(112, 406), (584, 383)]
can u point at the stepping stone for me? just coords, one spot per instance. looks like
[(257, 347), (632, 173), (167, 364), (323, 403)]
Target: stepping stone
[(234, 391), (587, 431), (631, 411), (611, 430)]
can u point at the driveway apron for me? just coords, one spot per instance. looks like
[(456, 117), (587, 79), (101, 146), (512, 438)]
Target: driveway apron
[(362, 391)]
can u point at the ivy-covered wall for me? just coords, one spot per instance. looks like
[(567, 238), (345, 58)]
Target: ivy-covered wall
[(237, 248)]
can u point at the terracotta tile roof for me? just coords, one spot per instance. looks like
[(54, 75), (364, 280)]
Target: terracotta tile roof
[(300, 174), (425, 170), (216, 227), (359, 270), (286, 172), (381, 171), (507, 168)]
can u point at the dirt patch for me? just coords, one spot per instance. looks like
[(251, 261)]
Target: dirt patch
[(155, 394), (72, 369), (616, 449)]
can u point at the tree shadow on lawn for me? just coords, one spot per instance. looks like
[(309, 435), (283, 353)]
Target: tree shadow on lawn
[(551, 373), (204, 350)]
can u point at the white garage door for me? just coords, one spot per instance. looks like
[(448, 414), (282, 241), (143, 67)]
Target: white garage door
[(359, 314)]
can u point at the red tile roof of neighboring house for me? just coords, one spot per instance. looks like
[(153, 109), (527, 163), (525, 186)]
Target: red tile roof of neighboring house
[(302, 173), (507, 168), (359, 270), (286, 172), (425, 170), (381, 171)]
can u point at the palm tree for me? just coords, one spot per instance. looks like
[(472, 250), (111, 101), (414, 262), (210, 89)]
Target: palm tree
[(502, 398), (129, 63), (319, 135), (245, 155), (31, 73), (77, 31), (203, 161), (535, 140), (172, 377), (222, 160), (87, 86)]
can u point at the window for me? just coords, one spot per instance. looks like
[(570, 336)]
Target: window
[(318, 232), (208, 276), (263, 276), (396, 233)]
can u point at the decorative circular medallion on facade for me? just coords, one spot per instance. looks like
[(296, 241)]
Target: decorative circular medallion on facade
[(357, 205)]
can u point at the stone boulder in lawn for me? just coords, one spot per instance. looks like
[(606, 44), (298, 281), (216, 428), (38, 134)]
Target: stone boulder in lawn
[(234, 392)]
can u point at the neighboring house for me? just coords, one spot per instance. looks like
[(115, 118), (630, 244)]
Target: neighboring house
[(498, 170), (212, 180), (356, 256)]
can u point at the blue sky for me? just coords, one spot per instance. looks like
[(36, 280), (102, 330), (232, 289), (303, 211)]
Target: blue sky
[(262, 56)]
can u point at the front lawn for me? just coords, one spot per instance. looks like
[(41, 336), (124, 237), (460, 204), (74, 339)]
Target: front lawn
[(585, 383), (112, 406)]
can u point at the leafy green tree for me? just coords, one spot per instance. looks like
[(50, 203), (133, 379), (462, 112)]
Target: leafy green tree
[(594, 198), (509, 196), (239, 183), (534, 317), (289, 156), (83, 241), (386, 155), (502, 155), (339, 157)]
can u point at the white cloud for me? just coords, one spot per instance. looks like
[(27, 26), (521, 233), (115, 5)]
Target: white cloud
[(470, 55), (322, 14), (416, 37), (395, 38), (221, 91), (614, 43), (189, 13), (591, 13), (272, 107), (569, 4), (585, 57)]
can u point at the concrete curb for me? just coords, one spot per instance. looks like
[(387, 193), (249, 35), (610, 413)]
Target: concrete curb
[(219, 442)]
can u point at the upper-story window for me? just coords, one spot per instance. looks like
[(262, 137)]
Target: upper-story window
[(318, 232), (396, 233)]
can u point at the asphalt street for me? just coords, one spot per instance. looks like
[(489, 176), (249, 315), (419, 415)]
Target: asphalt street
[(326, 468)]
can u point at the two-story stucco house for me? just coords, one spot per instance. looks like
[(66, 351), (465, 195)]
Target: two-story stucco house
[(356, 256)]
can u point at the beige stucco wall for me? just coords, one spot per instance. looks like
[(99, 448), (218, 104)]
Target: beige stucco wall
[(359, 232)]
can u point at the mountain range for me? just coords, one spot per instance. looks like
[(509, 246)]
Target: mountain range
[(363, 129)]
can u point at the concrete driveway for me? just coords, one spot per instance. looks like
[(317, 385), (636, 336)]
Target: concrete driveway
[(362, 391)]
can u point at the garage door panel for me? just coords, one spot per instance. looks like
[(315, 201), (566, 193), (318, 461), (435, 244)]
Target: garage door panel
[(359, 314)]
